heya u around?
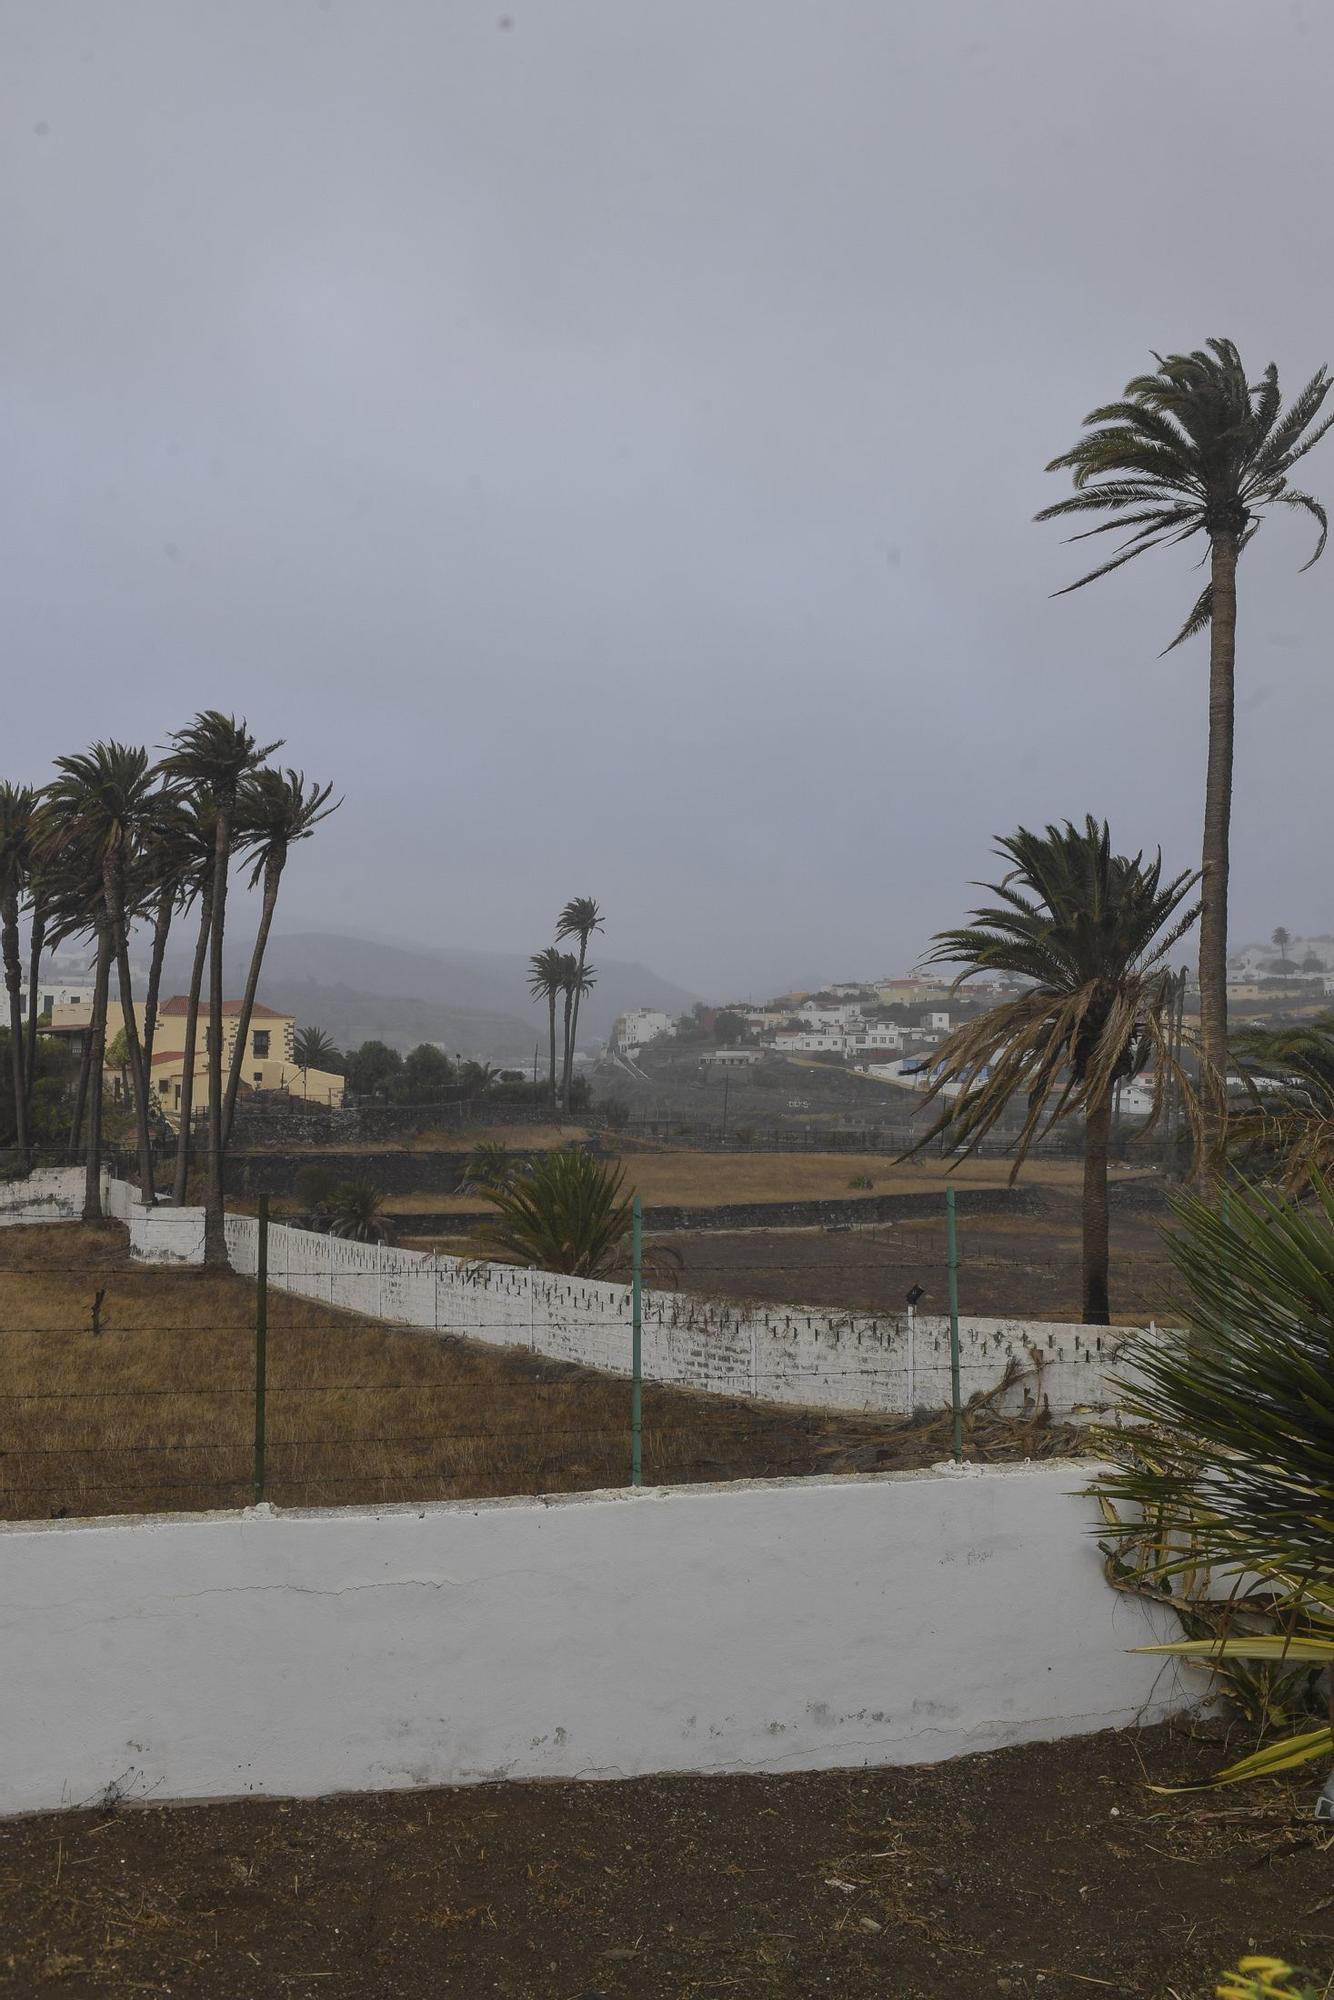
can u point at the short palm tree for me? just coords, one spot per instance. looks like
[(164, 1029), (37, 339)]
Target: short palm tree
[(545, 978), (1197, 449), (1290, 1116), (1089, 932), (313, 1049), (355, 1211), (580, 918), (275, 809), (16, 826), (211, 758), (567, 1211)]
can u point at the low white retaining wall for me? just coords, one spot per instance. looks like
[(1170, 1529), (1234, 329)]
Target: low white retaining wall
[(49, 1194), (158, 1235), (782, 1354), (791, 1625)]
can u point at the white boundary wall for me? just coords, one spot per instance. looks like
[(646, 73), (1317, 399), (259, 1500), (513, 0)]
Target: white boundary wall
[(766, 1626), (782, 1354), (160, 1235), (49, 1194)]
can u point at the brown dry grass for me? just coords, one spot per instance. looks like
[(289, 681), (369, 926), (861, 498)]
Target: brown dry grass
[(705, 1180), (156, 1411), (453, 1139)]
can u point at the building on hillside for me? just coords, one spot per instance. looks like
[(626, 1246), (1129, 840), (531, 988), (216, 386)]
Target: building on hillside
[(808, 1041), (267, 1064), (906, 991), (841, 1016), (732, 1058), (869, 1035), (640, 1026)]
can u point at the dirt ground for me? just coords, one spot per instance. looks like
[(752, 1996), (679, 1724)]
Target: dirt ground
[(155, 1409), (707, 1180), (1024, 1265), (1050, 1870)]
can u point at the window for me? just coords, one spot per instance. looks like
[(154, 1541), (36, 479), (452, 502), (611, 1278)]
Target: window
[(259, 1078), (262, 1036)]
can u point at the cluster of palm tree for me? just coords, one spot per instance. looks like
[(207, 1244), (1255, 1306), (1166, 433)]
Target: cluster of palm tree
[(1197, 449), (116, 839), (554, 974)]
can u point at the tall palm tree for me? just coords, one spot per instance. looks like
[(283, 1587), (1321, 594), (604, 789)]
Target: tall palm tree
[(276, 809), (103, 801), (199, 835), (545, 975), (580, 918), (213, 755), (16, 814), (1085, 928), (1196, 449), (576, 979)]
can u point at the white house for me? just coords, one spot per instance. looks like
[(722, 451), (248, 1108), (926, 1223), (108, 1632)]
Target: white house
[(641, 1025), (874, 1035), (808, 1041), (732, 1058)]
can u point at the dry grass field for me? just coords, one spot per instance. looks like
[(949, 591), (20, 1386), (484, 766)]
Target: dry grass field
[(155, 1410), (706, 1180)]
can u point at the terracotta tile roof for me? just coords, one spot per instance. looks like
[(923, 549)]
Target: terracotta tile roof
[(179, 1005)]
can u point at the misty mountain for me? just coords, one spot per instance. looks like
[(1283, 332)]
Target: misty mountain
[(477, 1002)]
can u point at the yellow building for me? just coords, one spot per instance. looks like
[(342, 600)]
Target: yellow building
[(267, 1064)]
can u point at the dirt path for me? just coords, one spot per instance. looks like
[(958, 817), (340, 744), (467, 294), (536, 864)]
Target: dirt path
[(1046, 1871)]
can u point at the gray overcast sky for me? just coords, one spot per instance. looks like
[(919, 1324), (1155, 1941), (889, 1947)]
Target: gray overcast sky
[(601, 435)]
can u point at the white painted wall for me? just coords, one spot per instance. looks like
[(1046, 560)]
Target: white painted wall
[(790, 1625), (49, 1194), (780, 1354)]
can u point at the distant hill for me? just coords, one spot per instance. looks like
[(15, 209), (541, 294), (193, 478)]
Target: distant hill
[(477, 1002)]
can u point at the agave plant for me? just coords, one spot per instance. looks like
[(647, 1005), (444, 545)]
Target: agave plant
[(490, 1165), (1230, 1481), (567, 1212)]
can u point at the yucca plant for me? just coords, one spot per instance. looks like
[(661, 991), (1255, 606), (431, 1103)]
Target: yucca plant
[(490, 1164), (567, 1212), (1229, 1484)]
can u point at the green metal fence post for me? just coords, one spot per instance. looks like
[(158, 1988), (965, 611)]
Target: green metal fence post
[(261, 1340), (956, 1404), (636, 1329)]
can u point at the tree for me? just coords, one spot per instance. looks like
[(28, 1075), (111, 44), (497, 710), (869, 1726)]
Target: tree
[(575, 980), (1085, 928), (427, 1076), (729, 1028), (200, 830), (313, 1049), (275, 809), (16, 813), (1312, 963), (1280, 940), (568, 1212), (544, 983), (580, 918), (1194, 449), (213, 756), (372, 1069), (101, 802)]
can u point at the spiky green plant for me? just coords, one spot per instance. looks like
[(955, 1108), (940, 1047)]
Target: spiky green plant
[(1227, 1469), (355, 1210), (1197, 449), (1291, 1119), (567, 1212)]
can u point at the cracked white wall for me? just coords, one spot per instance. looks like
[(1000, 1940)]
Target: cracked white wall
[(787, 1625)]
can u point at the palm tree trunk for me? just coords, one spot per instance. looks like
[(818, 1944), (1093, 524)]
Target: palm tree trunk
[(113, 894), (215, 1228), (273, 874), (166, 909), (1095, 1247), (97, 1043), (551, 997), (574, 1020), (80, 1098), (37, 938), (184, 1127), (9, 946), (1217, 821), (565, 1073)]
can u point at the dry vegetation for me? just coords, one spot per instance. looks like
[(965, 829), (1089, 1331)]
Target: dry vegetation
[(704, 1180), (156, 1410)]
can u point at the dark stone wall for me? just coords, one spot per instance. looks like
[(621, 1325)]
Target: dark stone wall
[(836, 1214)]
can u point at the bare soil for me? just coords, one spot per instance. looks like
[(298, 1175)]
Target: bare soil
[(1050, 1872), (1022, 1266)]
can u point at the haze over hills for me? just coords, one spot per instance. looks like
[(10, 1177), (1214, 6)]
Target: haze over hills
[(477, 1002)]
